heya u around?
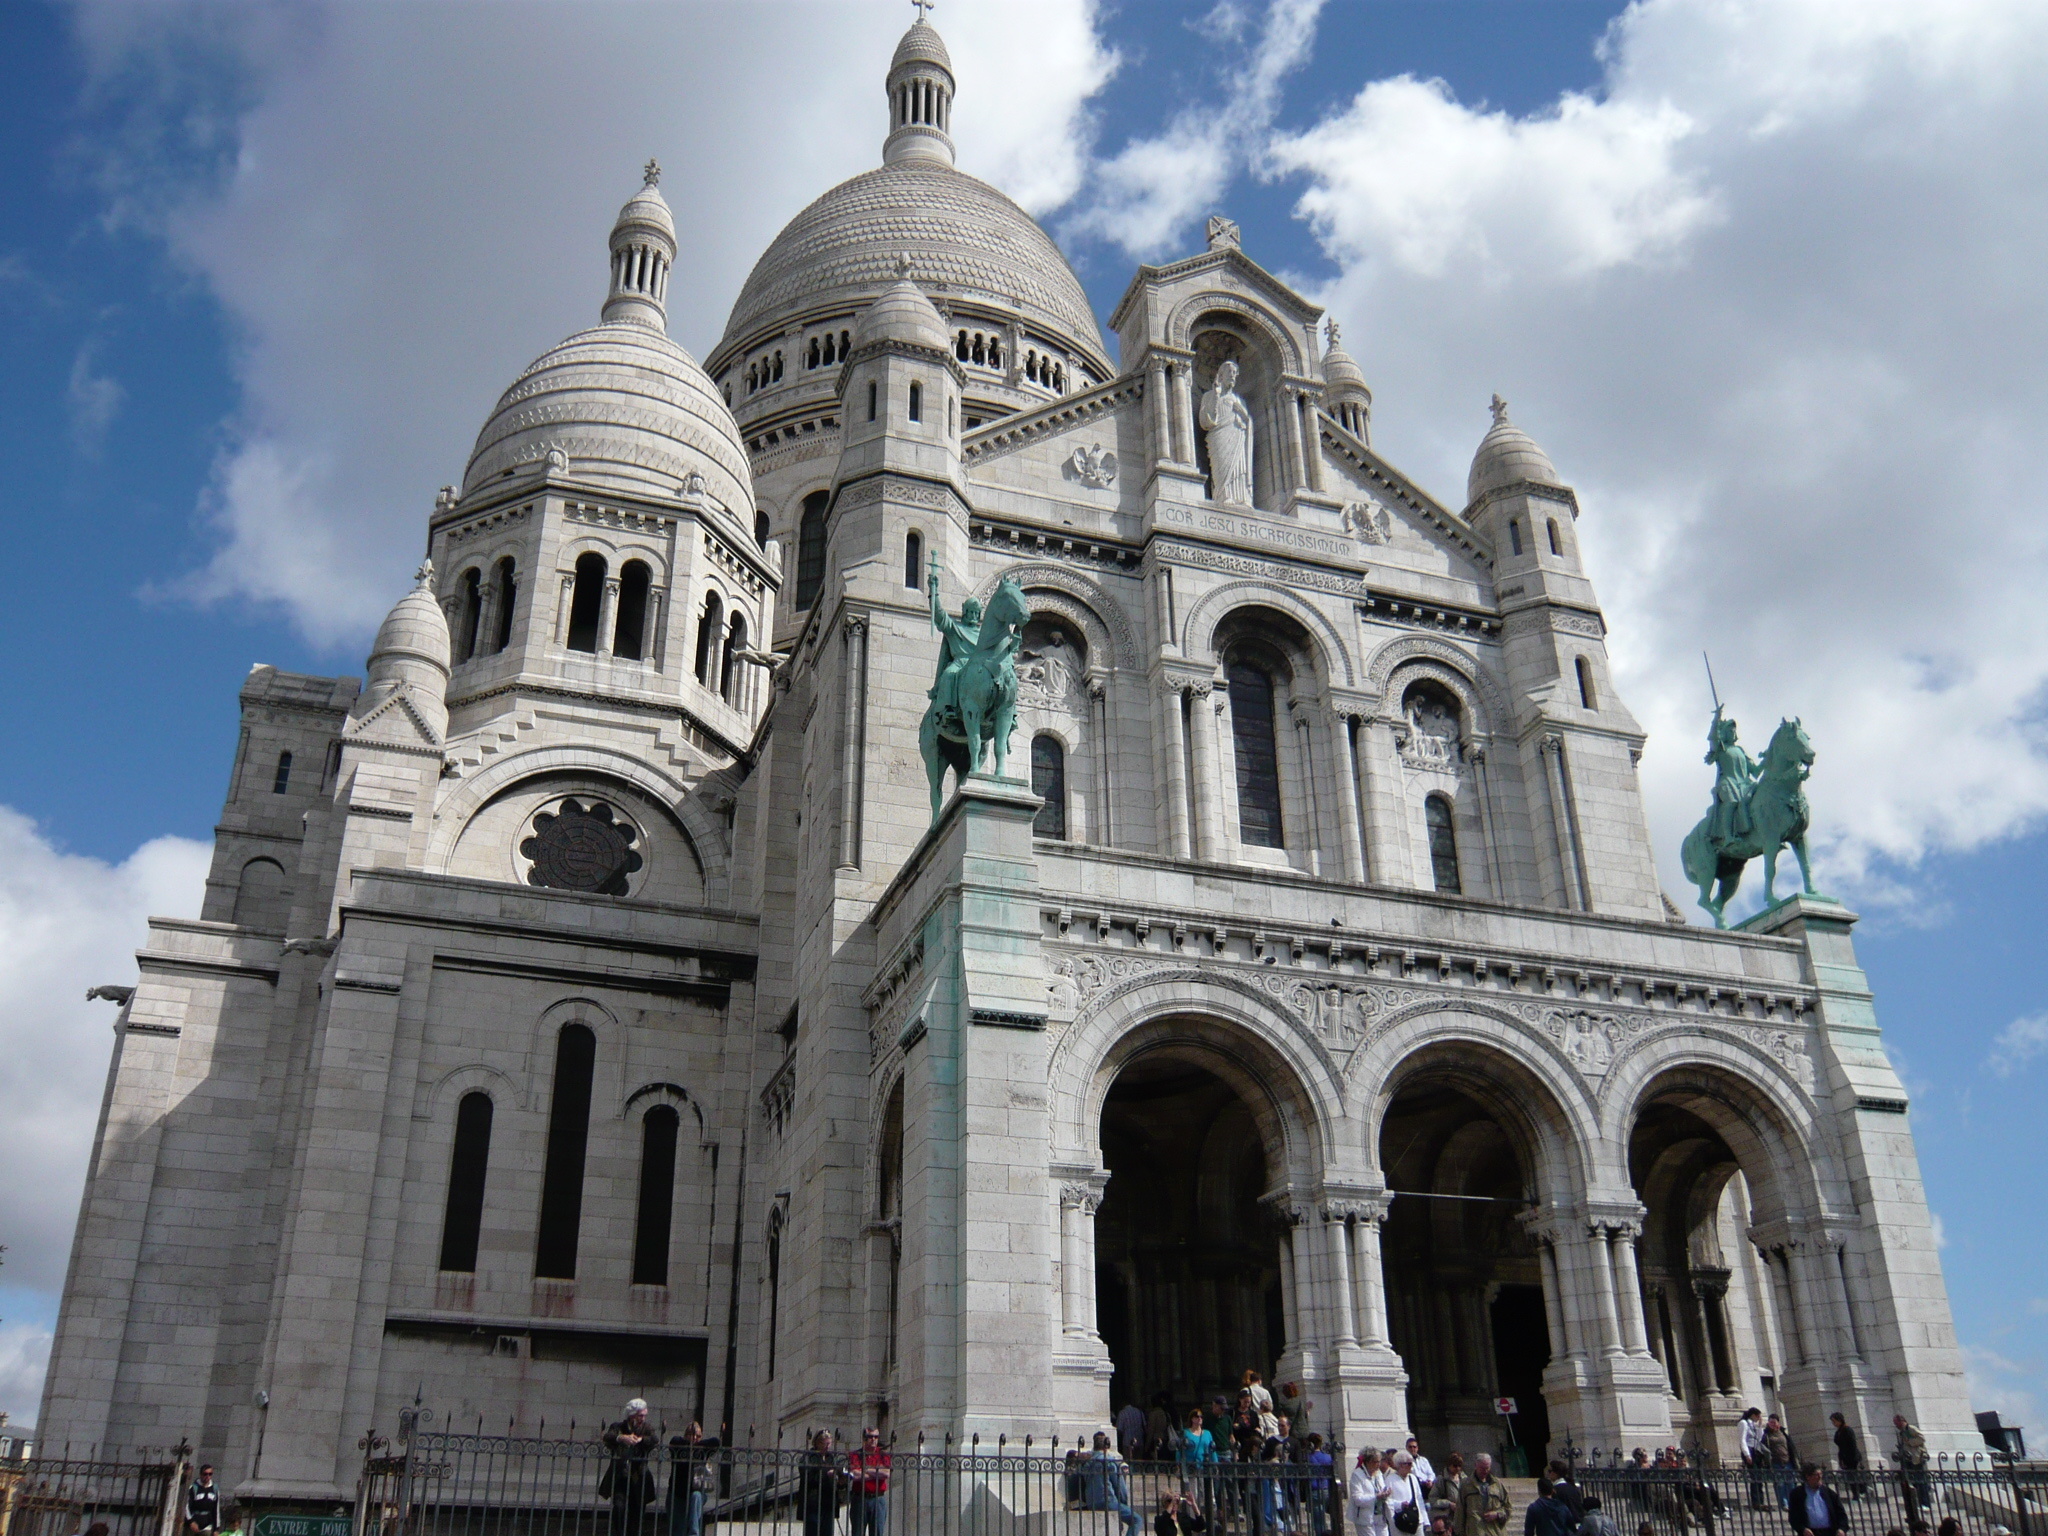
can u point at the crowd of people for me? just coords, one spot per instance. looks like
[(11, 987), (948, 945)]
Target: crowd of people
[(1238, 1464)]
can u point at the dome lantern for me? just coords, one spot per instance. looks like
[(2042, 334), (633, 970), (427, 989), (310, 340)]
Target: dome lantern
[(920, 87), (1345, 394), (643, 247)]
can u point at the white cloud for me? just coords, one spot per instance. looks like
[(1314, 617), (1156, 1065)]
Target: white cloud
[(2002, 1386), (2018, 1043), (67, 922), (400, 207), (94, 399), (1769, 300), (1147, 194)]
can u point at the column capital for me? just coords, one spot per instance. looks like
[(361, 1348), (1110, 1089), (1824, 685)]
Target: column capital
[(854, 625), (1553, 743), (1085, 1197), (1285, 1210)]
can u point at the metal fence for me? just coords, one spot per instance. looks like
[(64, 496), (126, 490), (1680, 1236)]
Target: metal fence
[(63, 1496), (481, 1485), (1984, 1496)]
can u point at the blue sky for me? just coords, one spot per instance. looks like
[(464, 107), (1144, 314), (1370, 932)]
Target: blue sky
[(1760, 278)]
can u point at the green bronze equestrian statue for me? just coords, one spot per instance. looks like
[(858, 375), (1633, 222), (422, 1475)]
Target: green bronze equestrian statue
[(1759, 808), (974, 695)]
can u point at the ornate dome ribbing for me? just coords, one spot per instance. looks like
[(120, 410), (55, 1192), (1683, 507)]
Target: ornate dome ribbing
[(964, 238), (625, 404)]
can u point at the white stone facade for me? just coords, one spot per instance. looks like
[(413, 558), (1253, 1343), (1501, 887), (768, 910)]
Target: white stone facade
[(590, 1006)]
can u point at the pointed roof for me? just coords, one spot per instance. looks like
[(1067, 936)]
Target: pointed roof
[(1507, 456)]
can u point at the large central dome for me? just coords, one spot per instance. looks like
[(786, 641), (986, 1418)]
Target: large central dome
[(965, 241)]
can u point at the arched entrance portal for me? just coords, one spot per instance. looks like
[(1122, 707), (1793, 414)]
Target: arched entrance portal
[(1187, 1273), (1464, 1281)]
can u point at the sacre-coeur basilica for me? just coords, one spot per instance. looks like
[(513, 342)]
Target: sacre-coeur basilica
[(588, 1003)]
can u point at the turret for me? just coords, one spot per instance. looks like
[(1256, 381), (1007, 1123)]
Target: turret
[(410, 657), (1345, 395), (920, 98), (643, 251)]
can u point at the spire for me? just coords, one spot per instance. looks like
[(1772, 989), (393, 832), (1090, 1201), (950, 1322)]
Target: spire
[(920, 89), (643, 249)]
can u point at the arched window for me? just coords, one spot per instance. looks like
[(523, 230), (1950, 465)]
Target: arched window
[(1555, 547), (1587, 696), (561, 1183), (1258, 755), (995, 351), (657, 1194), (950, 418), (872, 395), (761, 526), (778, 367), (916, 401), (508, 595), (586, 602), (845, 341), (1514, 536), (811, 358), (283, 781), (1031, 365), (472, 610), (629, 636), (1443, 845), (729, 665), (913, 560), (463, 1219), (262, 900), (810, 546), (708, 626), (1049, 783), (775, 1224), (960, 349)]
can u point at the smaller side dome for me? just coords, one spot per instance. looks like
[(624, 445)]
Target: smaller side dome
[(921, 45), (414, 635), (1507, 455), (1340, 373), (902, 314), (643, 247)]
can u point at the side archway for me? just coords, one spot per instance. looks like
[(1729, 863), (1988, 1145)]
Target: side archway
[(1333, 657)]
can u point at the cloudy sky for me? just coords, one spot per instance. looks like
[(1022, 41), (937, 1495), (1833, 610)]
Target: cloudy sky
[(1762, 278)]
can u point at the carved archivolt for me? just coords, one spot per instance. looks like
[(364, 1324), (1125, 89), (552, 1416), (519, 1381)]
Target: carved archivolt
[(1213, 607), (1103, 620), (1470, 676), (1180, 326)]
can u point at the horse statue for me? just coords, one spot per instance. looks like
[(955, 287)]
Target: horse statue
[(974, 696), (1763, 815)]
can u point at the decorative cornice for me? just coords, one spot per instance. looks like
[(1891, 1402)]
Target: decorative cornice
[(1014, 432)]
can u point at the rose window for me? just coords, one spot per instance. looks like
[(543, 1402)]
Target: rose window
[(582, 846)]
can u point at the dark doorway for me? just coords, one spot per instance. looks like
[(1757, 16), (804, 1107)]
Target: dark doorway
[(1464, 1282), (1521, 1349), (1187, 1268)]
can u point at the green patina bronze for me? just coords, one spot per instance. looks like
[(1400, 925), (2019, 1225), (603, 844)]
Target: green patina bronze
[(1759, 808), (974, 696)]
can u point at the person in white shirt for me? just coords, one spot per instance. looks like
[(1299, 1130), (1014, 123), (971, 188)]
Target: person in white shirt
[(1404, 1493), (1425, 1474), (1367, 1491), (1753, 1455)]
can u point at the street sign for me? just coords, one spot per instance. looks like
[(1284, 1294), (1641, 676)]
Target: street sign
[(1504, 1406), (301, 1525)]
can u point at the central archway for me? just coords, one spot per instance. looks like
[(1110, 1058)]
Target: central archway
[(1464, 1280), (1187, 1271)]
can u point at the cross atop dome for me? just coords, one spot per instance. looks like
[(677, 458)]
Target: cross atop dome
[(924, 6), (651, 173)]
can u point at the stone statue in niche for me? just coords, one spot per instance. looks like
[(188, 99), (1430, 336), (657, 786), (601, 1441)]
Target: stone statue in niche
[(1228, 421), (1093, 465), (1432, 730), (1368, 522), (1046, 675)]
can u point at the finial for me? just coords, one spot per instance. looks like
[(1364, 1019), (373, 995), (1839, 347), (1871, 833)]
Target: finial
[(1500, 410), (1330, 327), (903, 267), (651, 173), (1223, 232), (922, 7), (424, 576)]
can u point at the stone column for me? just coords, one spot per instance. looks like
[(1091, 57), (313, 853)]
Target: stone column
[(1337, 1238), (1792, 1325), (851, 728), (607, 615), (1290, 1310), (1102, 826), (1553, 1304), (1162, 428), (1304, 1278), (1372, 1280), (1174, 746), (1634, 1339), (1483, 780), (1078, 1204), (654, 644), (1208, 781), (1344, 755), (1183, 415), (1303, 715), (1290, 413), (1571, 862), (1312, 442), (486, 619), (1603, 1291), (562, 609)]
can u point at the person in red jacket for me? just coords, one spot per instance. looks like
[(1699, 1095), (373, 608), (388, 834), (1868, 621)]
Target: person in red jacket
[(868, 1471)]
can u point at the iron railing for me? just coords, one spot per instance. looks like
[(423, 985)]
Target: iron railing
[(64, 1495), (486, 1485), (1984, 1495)]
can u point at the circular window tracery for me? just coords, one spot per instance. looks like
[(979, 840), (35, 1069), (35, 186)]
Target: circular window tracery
[(582, 845)]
